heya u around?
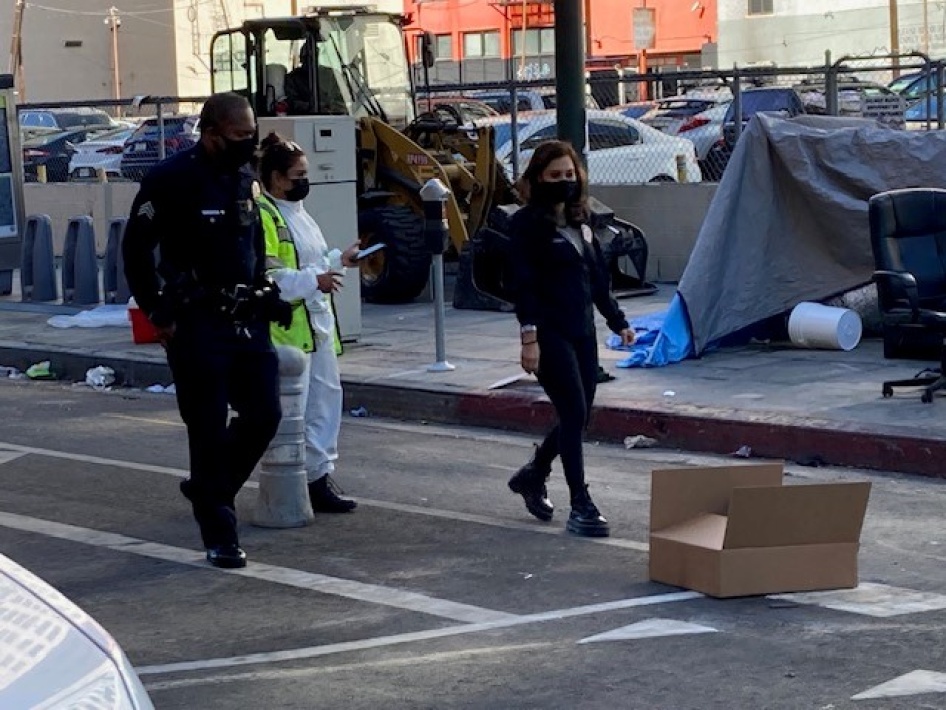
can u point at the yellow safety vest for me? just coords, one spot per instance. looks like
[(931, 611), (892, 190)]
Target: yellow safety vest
[(281, 254)]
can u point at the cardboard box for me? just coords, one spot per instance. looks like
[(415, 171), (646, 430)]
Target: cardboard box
[(737, 531)]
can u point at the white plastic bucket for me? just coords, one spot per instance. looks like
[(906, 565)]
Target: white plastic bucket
[(812, 325)]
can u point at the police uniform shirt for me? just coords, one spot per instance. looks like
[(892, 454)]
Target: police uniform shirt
[(206, 221)]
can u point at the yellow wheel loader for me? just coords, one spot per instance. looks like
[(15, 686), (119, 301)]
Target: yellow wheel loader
[(353, 61)]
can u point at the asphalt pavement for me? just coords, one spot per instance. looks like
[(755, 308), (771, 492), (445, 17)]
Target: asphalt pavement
[(440, 591)]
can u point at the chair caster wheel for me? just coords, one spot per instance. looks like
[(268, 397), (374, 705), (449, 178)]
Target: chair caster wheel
[(887, 391), (927, 397)]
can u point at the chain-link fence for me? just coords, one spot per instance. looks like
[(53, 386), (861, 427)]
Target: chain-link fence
[(681, 126), (641, 128), (113, 140)]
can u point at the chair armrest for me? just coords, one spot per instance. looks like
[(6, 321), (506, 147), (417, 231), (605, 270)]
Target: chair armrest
[(906, 281)]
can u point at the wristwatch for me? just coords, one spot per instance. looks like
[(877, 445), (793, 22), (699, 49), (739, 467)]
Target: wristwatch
[(528, 329)]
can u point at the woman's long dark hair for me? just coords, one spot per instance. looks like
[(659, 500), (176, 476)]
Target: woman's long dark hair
[(544, 155), (276, 155)]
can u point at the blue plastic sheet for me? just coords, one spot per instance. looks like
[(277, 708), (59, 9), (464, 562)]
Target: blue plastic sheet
[(662, 338)]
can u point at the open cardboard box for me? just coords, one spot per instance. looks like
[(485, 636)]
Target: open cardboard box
[(736, 531)]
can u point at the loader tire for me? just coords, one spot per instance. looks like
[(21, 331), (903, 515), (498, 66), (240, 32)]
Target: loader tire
[(399, 272)]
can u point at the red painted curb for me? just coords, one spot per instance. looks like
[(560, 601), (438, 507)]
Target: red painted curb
[(769, 435)]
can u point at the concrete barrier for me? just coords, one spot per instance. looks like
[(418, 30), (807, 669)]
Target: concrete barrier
[(670, 215), (64, 201)]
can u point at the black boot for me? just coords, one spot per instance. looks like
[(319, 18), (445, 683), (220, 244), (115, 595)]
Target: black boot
[(585, 520), (529, 482), (325, 499), (226, 556)]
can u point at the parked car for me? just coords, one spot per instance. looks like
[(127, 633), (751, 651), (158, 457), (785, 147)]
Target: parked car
[(621, 150), (140, 153), (670, 114), (54, 150), (55, 655), (635, 109), (101, 151), (764, 99), (914, 85), (916, 114), (705, 130), (64, 119), (449, 108), (500, 100), (865, 99)]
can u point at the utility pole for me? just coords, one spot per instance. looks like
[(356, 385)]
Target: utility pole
[(570, 73), (16, 51), (114, 22), (895, 36)]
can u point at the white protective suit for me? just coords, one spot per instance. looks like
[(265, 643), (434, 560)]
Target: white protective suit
[(323, 394)]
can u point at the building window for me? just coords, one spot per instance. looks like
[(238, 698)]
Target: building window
[(443, 48), (761, 7), (477, 45), (539, 40)]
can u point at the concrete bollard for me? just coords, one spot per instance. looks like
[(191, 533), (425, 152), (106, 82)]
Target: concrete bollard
[(116, 285), (37, 261), (80, 266), (283, 500), (681, 168)]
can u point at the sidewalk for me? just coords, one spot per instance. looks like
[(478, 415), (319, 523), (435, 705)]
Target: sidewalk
[(814, 407)]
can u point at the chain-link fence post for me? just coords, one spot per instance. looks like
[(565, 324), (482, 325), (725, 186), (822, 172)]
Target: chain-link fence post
[(940, 76), (514, 127), (162, 149), (830, 86), (737, 100)]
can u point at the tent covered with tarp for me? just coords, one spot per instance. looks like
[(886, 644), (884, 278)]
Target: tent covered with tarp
[(789, 224)]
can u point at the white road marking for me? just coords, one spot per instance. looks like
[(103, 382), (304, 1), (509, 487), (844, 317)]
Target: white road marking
[(292, 673), (145, 420), (914, 683), (385, 505), (871, 599), (650, 628), (373, 593), (381, 641)]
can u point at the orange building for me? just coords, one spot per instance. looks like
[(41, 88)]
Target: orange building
[(490, 40)]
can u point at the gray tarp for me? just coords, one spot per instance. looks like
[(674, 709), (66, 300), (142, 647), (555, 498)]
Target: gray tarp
[(789, 219)]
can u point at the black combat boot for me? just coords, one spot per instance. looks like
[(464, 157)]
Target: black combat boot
[(325, 498), (529, 482), (585, 520)]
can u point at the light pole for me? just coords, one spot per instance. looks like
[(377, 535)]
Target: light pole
[(114, 22), (895, 36)]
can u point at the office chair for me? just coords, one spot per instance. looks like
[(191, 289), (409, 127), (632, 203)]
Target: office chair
[(908, 239)]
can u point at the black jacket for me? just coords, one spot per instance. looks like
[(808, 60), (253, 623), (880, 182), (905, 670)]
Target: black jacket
[(207, 224), (555, 286)]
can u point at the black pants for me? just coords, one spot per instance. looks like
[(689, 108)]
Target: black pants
[(568, 372), (214, 368)]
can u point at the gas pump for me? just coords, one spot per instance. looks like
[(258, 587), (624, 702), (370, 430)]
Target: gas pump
[(12, 212)]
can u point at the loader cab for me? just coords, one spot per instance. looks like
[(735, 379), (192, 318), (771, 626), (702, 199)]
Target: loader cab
[(341, 62)]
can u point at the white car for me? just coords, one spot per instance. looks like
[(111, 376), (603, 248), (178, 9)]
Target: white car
[(54, 655), (621, 150), (103, 150)]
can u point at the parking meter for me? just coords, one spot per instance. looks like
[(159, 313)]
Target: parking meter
[(437, 235), (434, 195)]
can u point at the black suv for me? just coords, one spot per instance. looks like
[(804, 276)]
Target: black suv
[(766, 99)]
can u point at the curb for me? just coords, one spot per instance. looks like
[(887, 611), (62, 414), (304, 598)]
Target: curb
[(805, 441)]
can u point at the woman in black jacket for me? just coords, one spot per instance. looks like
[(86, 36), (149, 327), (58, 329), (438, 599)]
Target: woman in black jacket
[(559, 277)]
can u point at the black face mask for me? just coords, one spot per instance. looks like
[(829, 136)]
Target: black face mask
[(236, 154), (298, 191), (555, 193)]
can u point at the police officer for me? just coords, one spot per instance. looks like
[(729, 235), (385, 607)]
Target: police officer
[(560, 277), (211, 303)]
